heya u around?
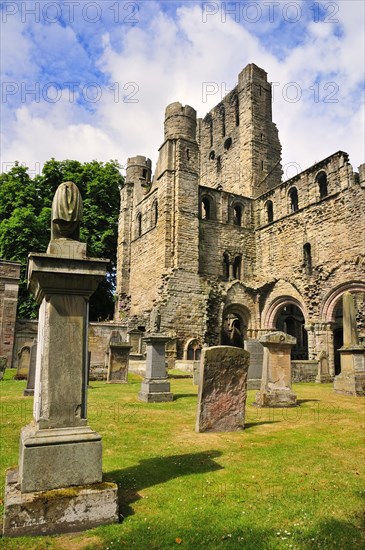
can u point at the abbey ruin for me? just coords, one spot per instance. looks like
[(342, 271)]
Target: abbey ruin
[(217, 247)]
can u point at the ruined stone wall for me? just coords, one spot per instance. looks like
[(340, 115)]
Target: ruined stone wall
[(334, 227), (184, 307), (239, 144), (221, 235), (9, 284), (99, 335), (339, 175)]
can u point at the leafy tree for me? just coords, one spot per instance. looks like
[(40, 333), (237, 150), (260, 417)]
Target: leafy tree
[(25, 220)]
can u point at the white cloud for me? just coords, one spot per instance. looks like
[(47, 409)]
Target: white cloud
[(165, 60)]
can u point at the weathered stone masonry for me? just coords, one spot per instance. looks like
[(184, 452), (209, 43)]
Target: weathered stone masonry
[(9, 285), (225, 250)]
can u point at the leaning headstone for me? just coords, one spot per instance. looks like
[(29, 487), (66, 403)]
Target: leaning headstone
[(222, 389), (323, 376), (155, 387), (29, 390), (118, 359), (58, 486), (3, 363), (351, 380), (276, 386)]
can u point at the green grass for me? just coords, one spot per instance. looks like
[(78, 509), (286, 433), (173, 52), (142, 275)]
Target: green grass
[(294, 478)]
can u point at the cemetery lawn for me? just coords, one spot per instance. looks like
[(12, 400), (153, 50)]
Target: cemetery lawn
[(294, 478)]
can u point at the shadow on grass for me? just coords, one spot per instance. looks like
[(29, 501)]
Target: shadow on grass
[(301, 401), (249, 425), (183, 395), (154, 471)]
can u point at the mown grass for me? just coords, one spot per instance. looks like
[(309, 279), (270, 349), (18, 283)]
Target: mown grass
[(294, 478)]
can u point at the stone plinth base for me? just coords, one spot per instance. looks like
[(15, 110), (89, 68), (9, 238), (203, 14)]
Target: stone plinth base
[(59, 457), (349, 383), (28, 392), (57, 511), (276, 398), (351, 380), (155, 391)]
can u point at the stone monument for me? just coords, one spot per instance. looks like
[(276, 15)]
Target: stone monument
[(276, 388), (351, 380), (323, 376), (118, 359), (22, 371), (58, 486), (155, 387), (222, 389), (29, 390)]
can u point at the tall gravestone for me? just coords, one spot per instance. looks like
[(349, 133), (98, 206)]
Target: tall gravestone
[(276, 384), (323, 375), (351, 380), (29, 390), (118, 359), (222, 389), (58, 486)]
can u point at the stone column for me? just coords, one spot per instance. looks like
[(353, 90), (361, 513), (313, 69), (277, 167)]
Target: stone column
[(276, 389), (52, 440), (351, 380), (58, 450), (155, 387)]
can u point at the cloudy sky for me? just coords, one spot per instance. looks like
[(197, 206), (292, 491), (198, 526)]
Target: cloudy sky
[(91, 80)]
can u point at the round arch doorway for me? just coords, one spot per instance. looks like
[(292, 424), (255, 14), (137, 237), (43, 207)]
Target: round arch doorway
[(235, 322), (290, 319)]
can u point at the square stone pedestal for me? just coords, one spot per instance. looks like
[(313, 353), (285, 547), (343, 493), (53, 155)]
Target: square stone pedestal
[(59, 457), (276, 390), (57, 511), (155, 388), (351, 380)]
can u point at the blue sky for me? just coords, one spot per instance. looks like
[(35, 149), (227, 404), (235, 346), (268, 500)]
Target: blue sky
[(89, 80)]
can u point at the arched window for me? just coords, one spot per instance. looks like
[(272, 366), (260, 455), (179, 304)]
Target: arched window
[(236, 110), (206, 209), (193, 350), (237, 267), (293, 197), (269, 211), (321, 179), (307, 258), (222, 111), (154, 213), (237, 214), (225, 267), (139, 224)]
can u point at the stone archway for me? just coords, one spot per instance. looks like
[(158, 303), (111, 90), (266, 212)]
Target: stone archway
[(331, 314), (287, 314), (235, 322)]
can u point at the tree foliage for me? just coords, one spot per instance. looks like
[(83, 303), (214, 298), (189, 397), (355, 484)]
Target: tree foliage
[(25, 220)]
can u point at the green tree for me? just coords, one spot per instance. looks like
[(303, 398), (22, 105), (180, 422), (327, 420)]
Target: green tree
[(25, 218)]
